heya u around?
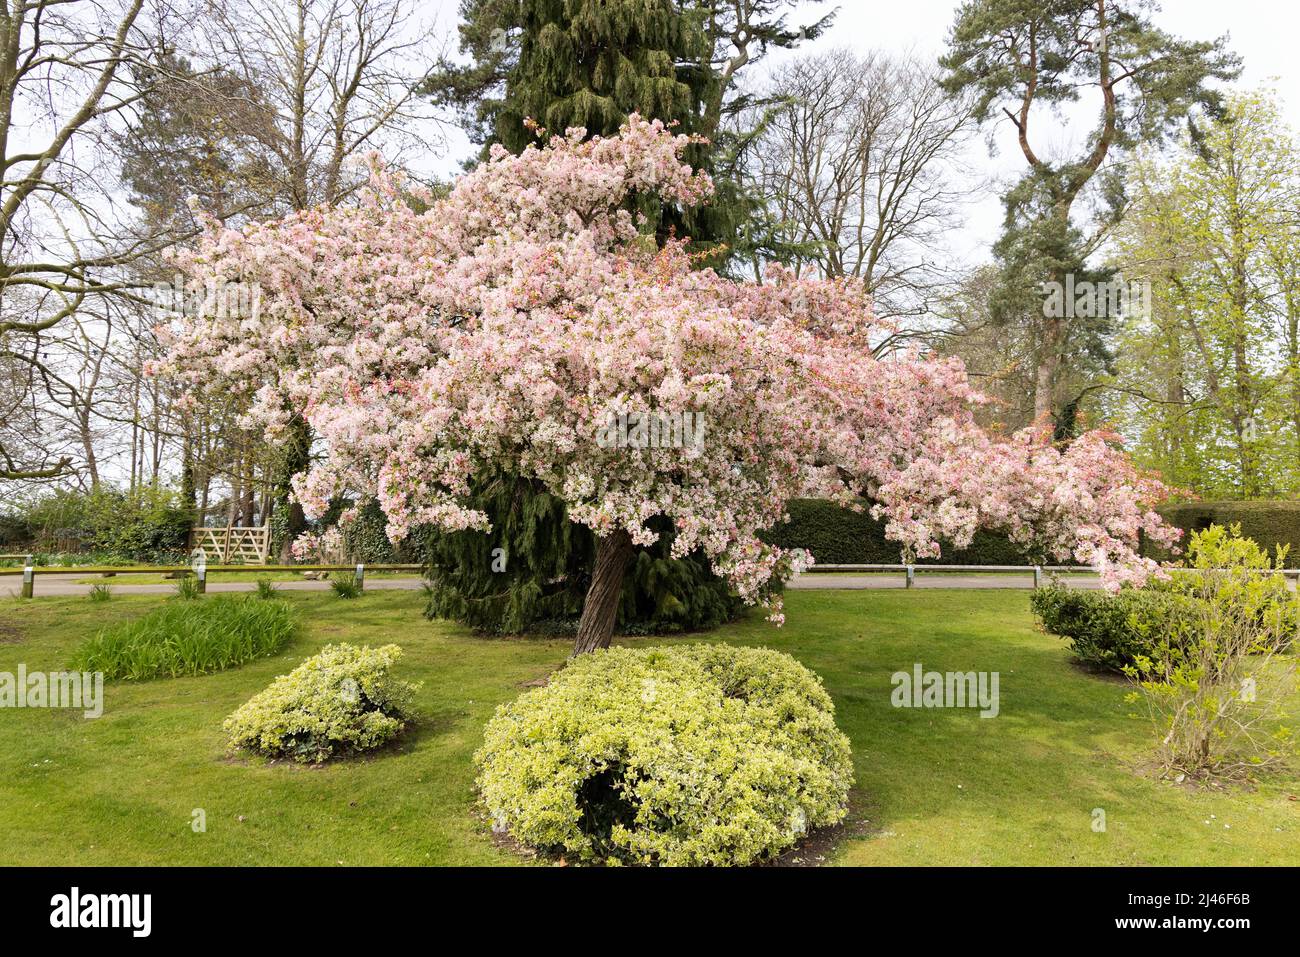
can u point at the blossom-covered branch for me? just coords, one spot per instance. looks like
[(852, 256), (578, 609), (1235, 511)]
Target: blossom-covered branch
[(502, 328)]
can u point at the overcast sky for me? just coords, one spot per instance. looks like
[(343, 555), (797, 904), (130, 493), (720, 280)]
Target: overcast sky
[(1262, 32)]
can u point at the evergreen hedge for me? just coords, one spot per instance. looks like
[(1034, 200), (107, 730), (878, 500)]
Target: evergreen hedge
[(841, 536), (1270, 522)]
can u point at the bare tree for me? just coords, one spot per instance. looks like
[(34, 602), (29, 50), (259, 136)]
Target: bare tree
[(861, 166), (65, 76), (340, 77)]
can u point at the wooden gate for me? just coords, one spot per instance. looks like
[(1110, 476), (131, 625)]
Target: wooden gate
[(232, 544)]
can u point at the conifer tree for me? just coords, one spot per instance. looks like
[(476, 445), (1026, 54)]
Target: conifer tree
[(589, 63)]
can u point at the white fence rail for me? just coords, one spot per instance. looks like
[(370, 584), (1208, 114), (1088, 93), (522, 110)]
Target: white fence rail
[(1036, 571)]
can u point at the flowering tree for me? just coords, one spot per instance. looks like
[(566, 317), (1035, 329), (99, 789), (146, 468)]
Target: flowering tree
[(507, 326)]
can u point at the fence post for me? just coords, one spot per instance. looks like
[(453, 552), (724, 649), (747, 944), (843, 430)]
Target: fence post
[(201, 575), (911, 576), (1038, 576), (29, 580), (360, 575)]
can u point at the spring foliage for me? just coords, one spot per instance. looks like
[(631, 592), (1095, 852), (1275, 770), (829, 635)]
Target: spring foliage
[(1218, 684), (684, 755)]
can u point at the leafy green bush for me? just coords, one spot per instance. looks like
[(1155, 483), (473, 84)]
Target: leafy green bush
[(344, 699), (1218, 549), (695, 754), (147, 525), (1218, 685), (266, 589), (188, 638), (1113, 632), (1108, 631)]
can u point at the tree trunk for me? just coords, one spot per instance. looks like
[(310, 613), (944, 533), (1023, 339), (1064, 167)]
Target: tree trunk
[(600, 610), (295, 458), (1046, 375)]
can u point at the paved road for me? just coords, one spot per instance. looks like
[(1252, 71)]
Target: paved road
[(73, 583)]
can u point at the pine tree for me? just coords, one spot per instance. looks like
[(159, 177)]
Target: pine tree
[(1022, 62)]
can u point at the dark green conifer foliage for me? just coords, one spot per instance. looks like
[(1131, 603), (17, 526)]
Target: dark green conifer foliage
[(532, 571), (592, 62)]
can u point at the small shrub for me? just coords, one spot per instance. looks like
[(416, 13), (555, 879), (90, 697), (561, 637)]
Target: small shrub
[(1218, 548), (100, 592), (266, 589), (1108, 632), (187, 588), (1217, 684), (344, 699), (695, 754), (188, 639), (346, 586)]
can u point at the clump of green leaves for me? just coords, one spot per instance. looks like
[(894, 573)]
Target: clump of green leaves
[(188, 638), (343, 700), (346, 586), (266, 589), (1216, 685), (694, 754), (101, 591), (187, 588)]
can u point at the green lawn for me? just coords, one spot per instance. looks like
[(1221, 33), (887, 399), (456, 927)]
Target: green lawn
[(934, 786)]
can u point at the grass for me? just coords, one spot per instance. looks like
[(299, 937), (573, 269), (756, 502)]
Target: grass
[(188, 638), (934, 786)]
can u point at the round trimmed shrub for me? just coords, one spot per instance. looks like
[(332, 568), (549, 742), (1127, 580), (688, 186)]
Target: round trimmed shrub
[(688, 755), (342, 700)]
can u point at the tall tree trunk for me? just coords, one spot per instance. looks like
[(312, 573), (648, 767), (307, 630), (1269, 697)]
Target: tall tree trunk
[(247, 505), (600, 610), (295, 458), (236, 493), (1293, 366), (1046, 375)]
